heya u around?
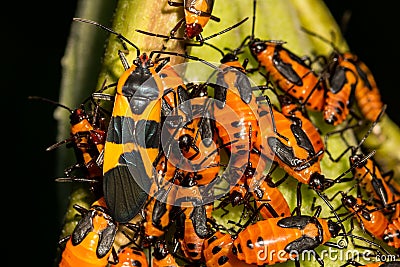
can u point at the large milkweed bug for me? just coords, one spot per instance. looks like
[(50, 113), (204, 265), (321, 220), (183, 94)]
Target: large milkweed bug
[(131, 256), (367, 172), (157, 210), (289, 237), (87, 138), (392, 233), (91, 242), (218, 251), (197, 15), (192, 227), (329, 94), (289, 72), (371, 219), (132, 142), (162, 257), (290, 147), (366, 91)]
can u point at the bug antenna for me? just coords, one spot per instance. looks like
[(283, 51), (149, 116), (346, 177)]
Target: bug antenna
[(324, 198), (370, 154), (216, 48), (319, 37), (254, 20), (371, 127), (120, 36), (226, 30), (50, 101), (367, 241), (160, 35)]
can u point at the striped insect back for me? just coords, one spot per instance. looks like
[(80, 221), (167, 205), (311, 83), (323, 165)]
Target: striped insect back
[(132, 142)]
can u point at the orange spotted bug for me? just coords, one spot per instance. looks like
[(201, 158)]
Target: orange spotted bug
[(217, 251), (199, 37), (162, 257), (87, 138), (370, 177), (366, 91), (131, 256), (313, 141), (371, 219), (197, 15), (289, 72), (158, 208), (392, 233), (291, 235), (286, 147), (91, 242), (192, 227), (258, 243)]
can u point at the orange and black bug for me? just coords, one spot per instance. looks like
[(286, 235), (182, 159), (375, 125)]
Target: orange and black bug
[(291, 235), (217, 251), (234, 110), (197, 15), (368, 174), (157, 210), (340, 79), (370, 177), (131, 256), (289, 72), (162, 257), (371, 219), (291, 148), (192, 227), (366, 92), (87, 138), (192, 151), (312, 142), (132, 142), (392, 233), (91, 242)]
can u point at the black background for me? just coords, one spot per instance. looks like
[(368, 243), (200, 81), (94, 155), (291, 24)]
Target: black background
[(34, 35)]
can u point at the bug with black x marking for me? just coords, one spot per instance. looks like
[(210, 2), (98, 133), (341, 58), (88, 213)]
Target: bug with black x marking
[(132, 142)]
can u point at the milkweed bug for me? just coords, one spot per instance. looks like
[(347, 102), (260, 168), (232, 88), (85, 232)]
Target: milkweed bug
[(366, 91), (291, 236), (289, 72), (132, 142), (392, 233), (370, 218), (218, 251), (162, 257), (91, 242), (87, 138), (197, 15), (131, 256)]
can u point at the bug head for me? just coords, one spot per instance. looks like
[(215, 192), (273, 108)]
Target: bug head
[(319, 182), (192, 30), (334, 228)]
